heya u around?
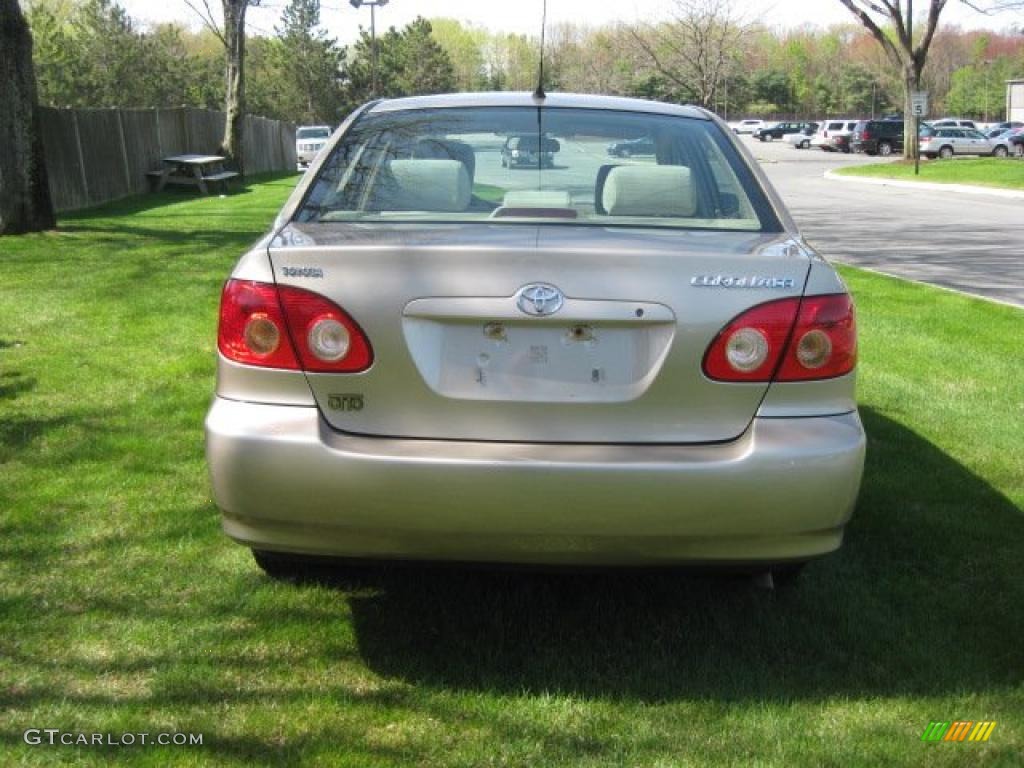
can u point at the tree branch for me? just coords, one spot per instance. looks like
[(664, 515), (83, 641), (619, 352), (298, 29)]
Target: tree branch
[(876, 32), (206, 16)]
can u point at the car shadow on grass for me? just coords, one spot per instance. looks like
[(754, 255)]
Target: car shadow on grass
[(923, 598)]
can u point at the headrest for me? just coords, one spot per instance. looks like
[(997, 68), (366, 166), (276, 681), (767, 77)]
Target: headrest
[(430, 185), (649, 190), (447, 149)]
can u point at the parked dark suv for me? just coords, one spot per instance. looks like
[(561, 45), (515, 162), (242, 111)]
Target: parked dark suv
[(778, 130), (877, 137)]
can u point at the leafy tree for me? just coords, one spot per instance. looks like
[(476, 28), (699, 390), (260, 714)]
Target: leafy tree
[(89, 55), (774, 90), (464, 46), (25, 204), (308, 66), (411, 63), (978, 90)]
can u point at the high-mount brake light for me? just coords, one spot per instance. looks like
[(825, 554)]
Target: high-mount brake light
[(786, 340), (285, 327)]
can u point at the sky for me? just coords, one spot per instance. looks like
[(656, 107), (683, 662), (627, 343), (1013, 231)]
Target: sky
[(523, 16)]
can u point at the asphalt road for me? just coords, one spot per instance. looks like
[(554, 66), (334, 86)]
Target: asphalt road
[(972, 243)]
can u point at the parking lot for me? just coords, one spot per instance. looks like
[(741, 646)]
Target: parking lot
[(971, 243)]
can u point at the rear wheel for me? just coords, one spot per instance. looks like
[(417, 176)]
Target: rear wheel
[(282, 566), (946, 152), (999, 151), (884, 148), (805, 144), (1018, 150), (787, 573)]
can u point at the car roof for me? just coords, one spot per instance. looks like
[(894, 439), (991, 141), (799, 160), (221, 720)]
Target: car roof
[(526, 99)]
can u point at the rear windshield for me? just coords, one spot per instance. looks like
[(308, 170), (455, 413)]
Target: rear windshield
[(313, 133), (482, 164)]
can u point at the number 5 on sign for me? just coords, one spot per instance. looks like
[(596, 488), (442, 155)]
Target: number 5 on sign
[(919, 103)]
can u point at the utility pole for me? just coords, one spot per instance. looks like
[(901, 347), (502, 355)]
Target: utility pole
[(916, 144), (374, 66)]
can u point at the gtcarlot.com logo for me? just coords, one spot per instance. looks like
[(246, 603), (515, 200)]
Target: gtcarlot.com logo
[(958, 730), (57, 737)]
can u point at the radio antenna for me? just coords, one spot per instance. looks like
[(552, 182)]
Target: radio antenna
[(539, 93)]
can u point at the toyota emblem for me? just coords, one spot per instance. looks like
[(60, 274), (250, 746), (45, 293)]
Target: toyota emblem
[(540, 299)]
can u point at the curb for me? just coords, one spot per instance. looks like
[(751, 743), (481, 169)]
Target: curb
[(968, 189)]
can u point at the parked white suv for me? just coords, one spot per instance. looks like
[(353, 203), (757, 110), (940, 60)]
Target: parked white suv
[(834, 135), (309, 140), (746, 126)]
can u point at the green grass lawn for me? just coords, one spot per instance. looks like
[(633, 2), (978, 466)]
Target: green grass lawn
[(124, 609), (983, 171)]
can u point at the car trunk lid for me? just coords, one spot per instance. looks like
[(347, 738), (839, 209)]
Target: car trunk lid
[(464, 350)]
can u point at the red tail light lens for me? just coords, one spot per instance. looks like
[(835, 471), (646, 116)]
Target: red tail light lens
[(327, 338), (252, 328), (824, 342), (772, 322), (786, 340), (290, 328)]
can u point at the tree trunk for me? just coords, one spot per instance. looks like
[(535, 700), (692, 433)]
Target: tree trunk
[(911, 83), (234, 101), (25, 204)]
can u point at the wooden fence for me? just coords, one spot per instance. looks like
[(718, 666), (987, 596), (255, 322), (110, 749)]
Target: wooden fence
[(96, 155)]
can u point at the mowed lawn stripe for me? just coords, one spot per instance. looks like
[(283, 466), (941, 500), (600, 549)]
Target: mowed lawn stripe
[(124, 609)]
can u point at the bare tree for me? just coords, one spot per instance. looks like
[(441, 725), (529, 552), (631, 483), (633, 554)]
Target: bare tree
[(694, 48), (25, 204), (994, 6), (232, 37), (900, 48)]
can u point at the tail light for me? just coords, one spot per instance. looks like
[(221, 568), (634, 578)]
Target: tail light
[(284, 327), (786, 340)]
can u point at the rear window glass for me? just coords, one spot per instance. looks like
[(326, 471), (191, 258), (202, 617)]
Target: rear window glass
[(313, 133), (547, 165)]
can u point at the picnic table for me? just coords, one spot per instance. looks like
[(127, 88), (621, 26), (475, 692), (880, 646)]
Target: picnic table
[(192, 170)]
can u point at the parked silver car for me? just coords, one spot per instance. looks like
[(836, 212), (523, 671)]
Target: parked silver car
[(947, 142), (614, 361)]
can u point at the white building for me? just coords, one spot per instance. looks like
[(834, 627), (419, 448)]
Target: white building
[(1015, 100)]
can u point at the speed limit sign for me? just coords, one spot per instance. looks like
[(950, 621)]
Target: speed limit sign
[(919, 103)]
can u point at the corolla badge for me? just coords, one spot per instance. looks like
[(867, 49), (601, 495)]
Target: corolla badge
[(743, 281), (540, 299)]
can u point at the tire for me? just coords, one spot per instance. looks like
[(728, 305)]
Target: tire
[(884, 148), (946, 153), (1000, 151), (284, 567), (786, 574), (805, 144), (1018, 150)]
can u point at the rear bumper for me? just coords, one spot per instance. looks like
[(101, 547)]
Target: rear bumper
[(286, 481)]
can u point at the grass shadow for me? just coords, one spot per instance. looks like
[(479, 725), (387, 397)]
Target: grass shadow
[(923, 598), (169, 196)]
